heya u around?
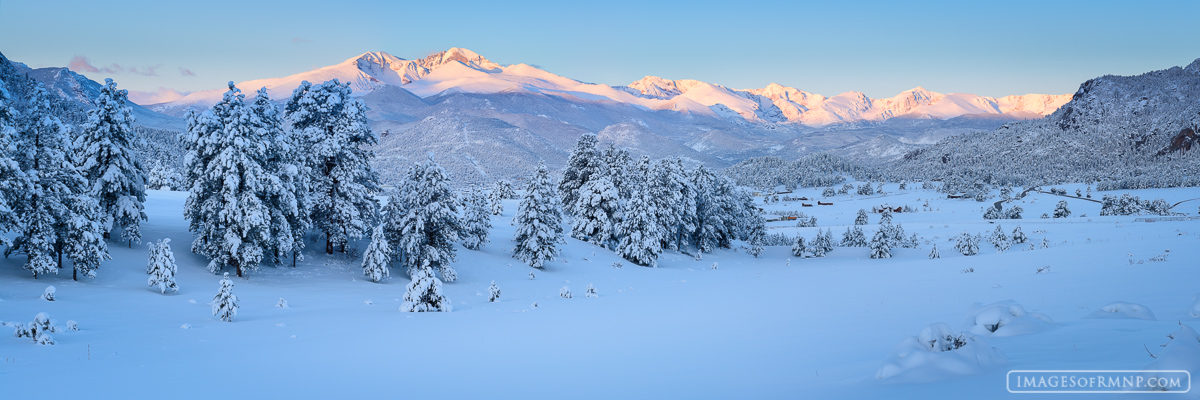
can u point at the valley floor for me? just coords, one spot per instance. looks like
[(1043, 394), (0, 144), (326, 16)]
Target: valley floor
[(755, 328)]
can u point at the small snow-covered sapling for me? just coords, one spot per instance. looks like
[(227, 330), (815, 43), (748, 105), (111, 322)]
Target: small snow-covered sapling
[(48, 294), (531, 275), (591, 291), (714, 266), (494, 292), (565, 292), (282, 303)]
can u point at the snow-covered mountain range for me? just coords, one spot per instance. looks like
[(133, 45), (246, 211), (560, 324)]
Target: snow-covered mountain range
[(463, 71)]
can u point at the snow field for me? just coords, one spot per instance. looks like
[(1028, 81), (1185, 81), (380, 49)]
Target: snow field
[(773, 327)]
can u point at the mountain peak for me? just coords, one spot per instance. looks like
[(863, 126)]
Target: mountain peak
[(467, 57)]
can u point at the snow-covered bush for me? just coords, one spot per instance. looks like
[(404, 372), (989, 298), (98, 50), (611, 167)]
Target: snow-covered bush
[(1000, 239), (828, 192), (424, 293), (993, 213), (865, 189), (1181, 352), (1019, 237), (281, 303), (1061, 210), (799, 248), (1014, 212), (48, 294), (590, 291), (493, 292), (1005, 318), (565, 292), (225, 303), (939, 353), (966, 244), (160, 265)]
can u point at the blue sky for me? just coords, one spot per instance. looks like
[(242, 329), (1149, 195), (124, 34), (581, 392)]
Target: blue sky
[(876, 47)]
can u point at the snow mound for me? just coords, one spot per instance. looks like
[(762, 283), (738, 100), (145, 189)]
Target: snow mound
[(1005, 318), (938, 353), (1123, 310), (1195, 311), (1181, 352)]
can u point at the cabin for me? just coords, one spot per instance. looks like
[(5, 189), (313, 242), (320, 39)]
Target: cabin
[(956, 196), (819, 203), (806, 204), (881, 209)]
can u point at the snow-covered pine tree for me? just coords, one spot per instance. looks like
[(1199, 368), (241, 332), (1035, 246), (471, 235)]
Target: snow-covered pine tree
[(828, 192), (934, 253), (333, 128), (639, 234), (885, 218), (493, 292), (477, 223), (378, 256), (495, 202), (717, 210), (821, 244), (504, 190), (287, 199), (993, 213), (799, 248), (1000, 239), (538, 221), (966, 244), (58, 215), (12, 177), (161, 266), (1018, 236), (228, 208), (619, 164), (597, 212), (675, 201), (757, 241), (585, 163), (107, 157), (431, 225), (1014, 212), (1061, 210), (862, 218), (880, 246), (424, 293), (225, 303)]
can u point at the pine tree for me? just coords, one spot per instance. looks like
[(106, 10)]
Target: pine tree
[(477, 223), (799, 248), (597, 212), (674, 201), (431, 225), (584, 164), (424, 293), (934, 253), (992, 213), (287, 197), (59, 217), (109, 160), (862, 218), (493, 292), (1061, 210), (378, 256), (999, 239), (966, 244), (12, 177), (504, 190), (639, 234), (227, 205), (822, 244), (1018, 236), (880, 248), (1014, 212), (538, 221), (161, 266), (225, 303), (334, 130)]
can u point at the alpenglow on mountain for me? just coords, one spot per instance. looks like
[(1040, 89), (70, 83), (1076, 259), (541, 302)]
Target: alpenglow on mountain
[(464, 71)]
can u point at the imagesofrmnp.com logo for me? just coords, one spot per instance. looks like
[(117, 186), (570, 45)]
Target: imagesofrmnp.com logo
[(1099, 381)]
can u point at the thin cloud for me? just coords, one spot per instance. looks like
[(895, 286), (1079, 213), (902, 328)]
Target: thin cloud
[(82, 64), (186, 72), (301, 40)]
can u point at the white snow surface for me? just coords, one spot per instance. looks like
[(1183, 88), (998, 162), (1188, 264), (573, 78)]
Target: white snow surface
[(760, 328)]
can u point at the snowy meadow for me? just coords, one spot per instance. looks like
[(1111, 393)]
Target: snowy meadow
[(727, 325)]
